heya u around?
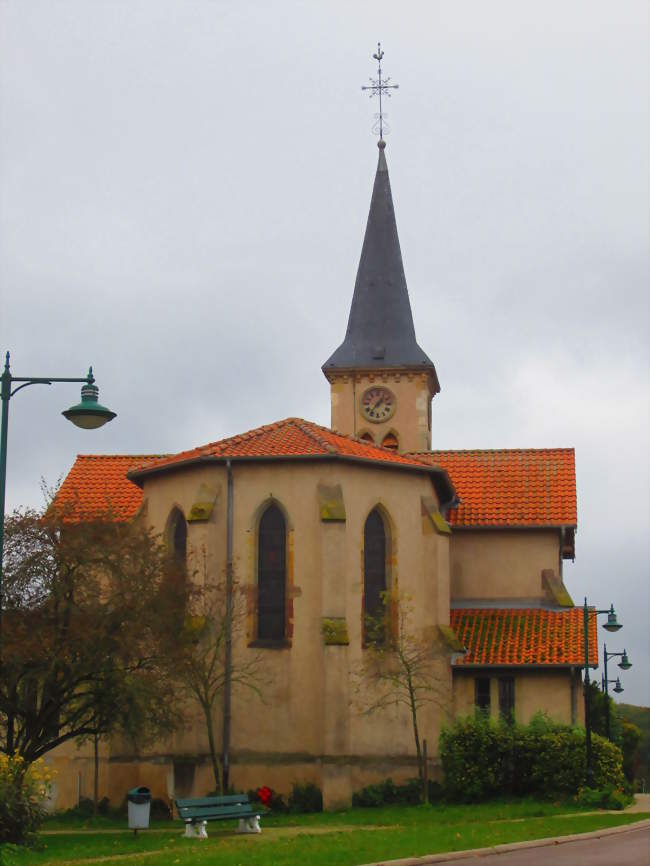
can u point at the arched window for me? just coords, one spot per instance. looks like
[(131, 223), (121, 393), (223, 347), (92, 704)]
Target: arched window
[(178, 536), (390, 441), (374, 576), (271, 575), (367, 437)]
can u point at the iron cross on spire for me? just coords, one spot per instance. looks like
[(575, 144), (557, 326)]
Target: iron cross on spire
[(379, 87)]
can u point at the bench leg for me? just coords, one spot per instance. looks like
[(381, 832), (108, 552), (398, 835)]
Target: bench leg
[(196, 831), (249, 825)]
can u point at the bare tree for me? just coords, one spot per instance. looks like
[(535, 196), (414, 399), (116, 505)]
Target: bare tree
[(200, 657), (401, 667)]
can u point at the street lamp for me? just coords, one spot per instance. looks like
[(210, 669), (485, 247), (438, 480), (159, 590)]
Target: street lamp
[(88, 414), (625, 664), (612, 625)]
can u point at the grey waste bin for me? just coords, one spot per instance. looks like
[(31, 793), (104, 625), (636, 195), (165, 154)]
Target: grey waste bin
[(139, 805)]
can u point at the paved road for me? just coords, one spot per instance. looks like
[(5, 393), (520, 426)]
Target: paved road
[(631, 848)]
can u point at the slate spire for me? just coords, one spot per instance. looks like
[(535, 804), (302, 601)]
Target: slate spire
[(380, 331)]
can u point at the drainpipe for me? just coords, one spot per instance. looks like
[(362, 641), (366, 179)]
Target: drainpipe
[(227, 675), (562, 538), (354, 405)]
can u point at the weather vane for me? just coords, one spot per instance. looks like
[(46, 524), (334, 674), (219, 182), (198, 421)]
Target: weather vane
[(379, 87)]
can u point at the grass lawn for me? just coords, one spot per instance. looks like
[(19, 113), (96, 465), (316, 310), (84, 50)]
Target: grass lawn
[(330, 839)]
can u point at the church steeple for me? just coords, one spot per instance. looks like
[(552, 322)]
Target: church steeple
[(381, 382), (380, 332)]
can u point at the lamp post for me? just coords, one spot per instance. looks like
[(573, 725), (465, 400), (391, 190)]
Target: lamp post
[(625, 664), (612, 624), (88, 414)]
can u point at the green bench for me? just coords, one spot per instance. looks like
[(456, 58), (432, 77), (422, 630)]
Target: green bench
[(196, 812)]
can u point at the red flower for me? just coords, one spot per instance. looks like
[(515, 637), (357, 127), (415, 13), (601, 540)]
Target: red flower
[(264, 795)]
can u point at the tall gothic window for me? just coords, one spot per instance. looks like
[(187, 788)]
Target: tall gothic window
[(272, 577), (374, 576), (178, 536)]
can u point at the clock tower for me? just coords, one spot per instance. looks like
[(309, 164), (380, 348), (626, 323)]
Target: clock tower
[(381, 381)]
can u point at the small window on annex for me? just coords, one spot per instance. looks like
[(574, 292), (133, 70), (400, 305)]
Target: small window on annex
[(507, 698), (375, 583), (271, 575), (482, 694)]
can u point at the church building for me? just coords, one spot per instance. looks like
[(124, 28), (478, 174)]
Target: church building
[(330, 527)]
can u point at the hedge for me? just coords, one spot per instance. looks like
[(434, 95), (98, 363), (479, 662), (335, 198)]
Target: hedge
[(481, 759)]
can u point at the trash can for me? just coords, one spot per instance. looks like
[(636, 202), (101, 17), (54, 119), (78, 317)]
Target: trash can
[(139, 805)]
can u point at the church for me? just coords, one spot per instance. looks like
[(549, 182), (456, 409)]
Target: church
[(326, 528)]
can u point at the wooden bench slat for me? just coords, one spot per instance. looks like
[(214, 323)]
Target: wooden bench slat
[(212, 801), (223, 812)]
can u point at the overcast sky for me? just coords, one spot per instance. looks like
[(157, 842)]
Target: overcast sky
[(183, 193)]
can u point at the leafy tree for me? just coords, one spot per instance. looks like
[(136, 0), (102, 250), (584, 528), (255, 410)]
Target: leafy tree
[(400, 667), (88, 612)]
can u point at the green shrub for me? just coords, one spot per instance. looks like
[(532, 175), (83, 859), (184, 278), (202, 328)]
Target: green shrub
[(476, 756), (561, 762), (22, 793), (483, 759), (160, 809), (305, 798), (387, 793), (436, 792), (603, 798), (607, 763)]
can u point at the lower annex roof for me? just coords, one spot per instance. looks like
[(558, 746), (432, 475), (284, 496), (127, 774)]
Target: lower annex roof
[(523, 637)]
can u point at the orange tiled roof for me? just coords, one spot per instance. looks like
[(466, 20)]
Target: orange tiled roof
[(100, 484), (511, 487), (292, 437), (97, 485), (525, 636)]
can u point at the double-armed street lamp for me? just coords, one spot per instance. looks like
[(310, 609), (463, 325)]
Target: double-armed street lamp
[(625, 664), (612, 625), (88, 414)]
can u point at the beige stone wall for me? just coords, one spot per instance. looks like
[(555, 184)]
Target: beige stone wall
[(411, 422), (501, 563), (307, 724), (556, 692), (74, 773)]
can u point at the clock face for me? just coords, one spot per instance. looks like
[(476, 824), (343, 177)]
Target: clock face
[(378, 404)]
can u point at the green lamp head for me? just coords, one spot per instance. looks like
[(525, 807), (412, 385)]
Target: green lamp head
[(612, 623), (89, 414), (618, 688), (625, 664)]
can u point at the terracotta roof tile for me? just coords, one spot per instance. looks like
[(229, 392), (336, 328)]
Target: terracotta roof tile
[(525, 636), (293, 437), (511, 487), (97, 486)]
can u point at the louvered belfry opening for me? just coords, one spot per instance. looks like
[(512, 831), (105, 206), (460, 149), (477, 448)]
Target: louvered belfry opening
[(271, 575), (374, 567)]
